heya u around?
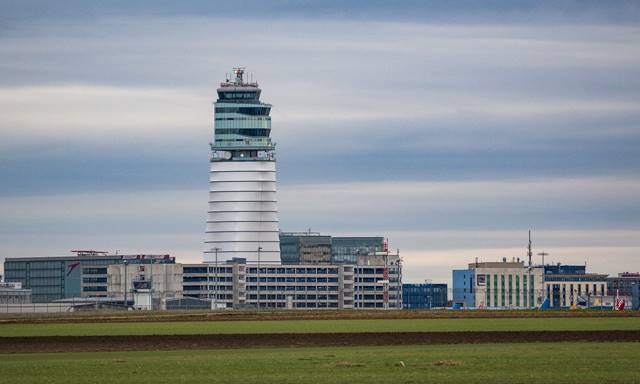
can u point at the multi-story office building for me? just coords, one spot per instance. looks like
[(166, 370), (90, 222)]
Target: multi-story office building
[(378, 281), (242, 218), (623, 284), (498, 285), (238, 284), (305, 248), (63, 277), (426, 295), (569, 285)]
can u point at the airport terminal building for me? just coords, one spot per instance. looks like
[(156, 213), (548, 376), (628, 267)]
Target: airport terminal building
[(237, 284)]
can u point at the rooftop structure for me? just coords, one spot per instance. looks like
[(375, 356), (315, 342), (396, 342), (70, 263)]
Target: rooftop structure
[(305, 248)]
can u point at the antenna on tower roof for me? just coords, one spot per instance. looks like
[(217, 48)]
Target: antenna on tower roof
[(239, 72)]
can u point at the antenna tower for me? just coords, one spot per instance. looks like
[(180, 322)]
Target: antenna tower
[(529, 252)]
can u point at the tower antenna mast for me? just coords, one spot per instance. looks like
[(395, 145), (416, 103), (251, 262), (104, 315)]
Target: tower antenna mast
[(529, 253)]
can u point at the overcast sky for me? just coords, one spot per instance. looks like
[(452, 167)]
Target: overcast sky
[(450, 127)]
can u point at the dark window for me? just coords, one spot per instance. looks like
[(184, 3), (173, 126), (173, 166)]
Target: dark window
[(252, 111), (95, 289)]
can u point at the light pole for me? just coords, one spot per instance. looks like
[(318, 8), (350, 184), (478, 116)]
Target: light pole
[(215, 294), (544, 291), (543, 254), (259, 250), (125, 284)]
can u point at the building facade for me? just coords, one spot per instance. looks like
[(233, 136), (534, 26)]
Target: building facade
[(305, 248), (427, 295), (239, 284), (13, 293), (312, 247), (64, 277), (242, 218), (514, 285), (623, 284), (347, 249), (151, 283), (570, 285), (498, 285)]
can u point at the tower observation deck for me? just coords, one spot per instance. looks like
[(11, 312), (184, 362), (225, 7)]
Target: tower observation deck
[(242, 218)]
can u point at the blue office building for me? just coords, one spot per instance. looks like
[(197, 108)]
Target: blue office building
[(415, 296), (464, 293)]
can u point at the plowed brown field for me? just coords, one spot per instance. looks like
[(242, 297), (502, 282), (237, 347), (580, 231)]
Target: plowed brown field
[(179, 342)]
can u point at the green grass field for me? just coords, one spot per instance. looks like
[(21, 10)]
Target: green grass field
[(298, 326), (495, 363)]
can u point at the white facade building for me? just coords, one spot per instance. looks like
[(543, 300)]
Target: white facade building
[(235, 284), (498, 285)]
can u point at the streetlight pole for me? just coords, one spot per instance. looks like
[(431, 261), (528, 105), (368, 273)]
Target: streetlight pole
[(125, 284), (544, 291), (215, 294), (259, 250)]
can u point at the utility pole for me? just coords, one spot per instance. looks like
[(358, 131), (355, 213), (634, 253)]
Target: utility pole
[(215, 294), (126, 305), (529, 253), (543, 254), (259, 250), (530, 291), (544, 291)]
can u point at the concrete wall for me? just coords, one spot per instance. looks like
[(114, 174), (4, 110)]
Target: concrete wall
[(166, 279)]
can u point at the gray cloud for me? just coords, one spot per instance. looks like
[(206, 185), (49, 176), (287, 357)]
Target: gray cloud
[(412, 129), (353, 100)]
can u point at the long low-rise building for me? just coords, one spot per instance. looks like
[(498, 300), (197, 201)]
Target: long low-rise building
[(53, 278), (13, 293), (512, 284), (375, 282)]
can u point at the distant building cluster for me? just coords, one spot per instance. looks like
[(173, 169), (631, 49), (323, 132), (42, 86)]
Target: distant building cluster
[(249, 263), (158, 282), (514, 285)]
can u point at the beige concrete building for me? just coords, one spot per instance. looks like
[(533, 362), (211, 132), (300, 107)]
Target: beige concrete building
[(157, 281)]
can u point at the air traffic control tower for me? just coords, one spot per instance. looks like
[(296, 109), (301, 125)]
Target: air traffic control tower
[(242, 217)]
